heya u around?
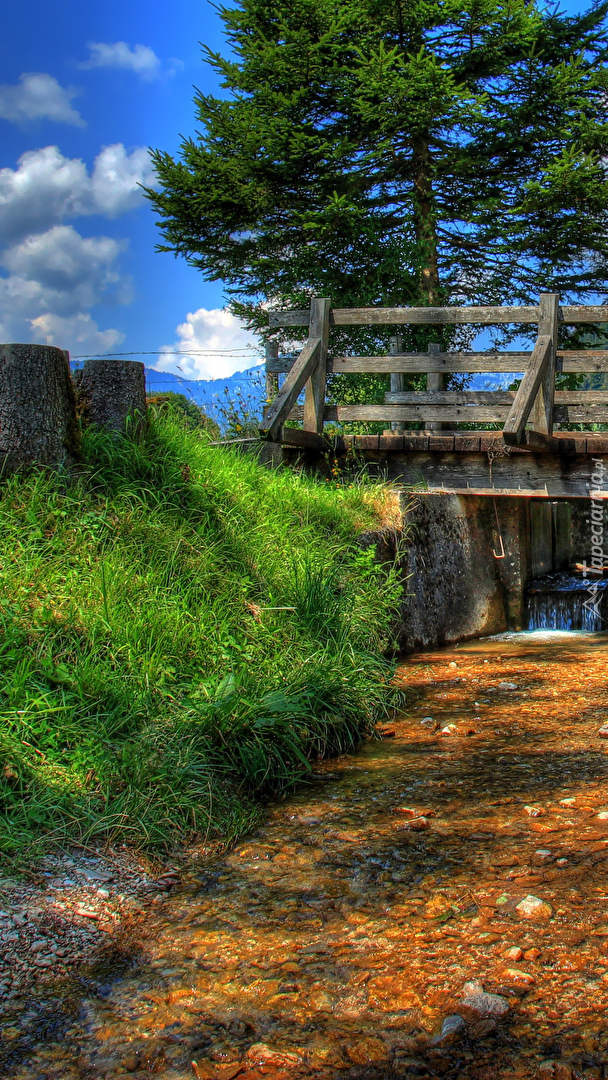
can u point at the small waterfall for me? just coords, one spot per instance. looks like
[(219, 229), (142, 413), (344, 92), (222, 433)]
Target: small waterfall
[(557, 602)]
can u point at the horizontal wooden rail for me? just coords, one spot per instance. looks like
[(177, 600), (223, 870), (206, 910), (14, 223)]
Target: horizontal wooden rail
[(378, 316), (569, 314), (459, 414), (490, 397), (570, 360)]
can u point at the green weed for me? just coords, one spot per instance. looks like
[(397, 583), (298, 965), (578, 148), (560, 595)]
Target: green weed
[(181, 632)]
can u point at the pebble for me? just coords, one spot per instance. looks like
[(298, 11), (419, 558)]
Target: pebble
[(514, 953), (507, 686), (453, 664), (603, 732), (561, 862), (523, 978), (533, 908), (603, 815), (449, 729), (428, 721), (534, 811)]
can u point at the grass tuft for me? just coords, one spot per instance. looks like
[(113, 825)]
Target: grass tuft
[(181, 632)]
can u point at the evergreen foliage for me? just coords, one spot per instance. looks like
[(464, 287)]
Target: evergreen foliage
[(396, 152)]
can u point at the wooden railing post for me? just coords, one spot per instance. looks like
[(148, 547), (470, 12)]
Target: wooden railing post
[(395, 347), (434, 381), (272, 379), (314, 400), (548, 313)]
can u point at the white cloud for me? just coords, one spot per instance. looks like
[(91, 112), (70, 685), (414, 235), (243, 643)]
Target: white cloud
[(64, 272), (141, 58), (78, 333), (46, 188), (209, 333), (39, 97), (54, 278)]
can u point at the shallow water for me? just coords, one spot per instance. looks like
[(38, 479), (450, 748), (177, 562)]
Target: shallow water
[(334, 941)]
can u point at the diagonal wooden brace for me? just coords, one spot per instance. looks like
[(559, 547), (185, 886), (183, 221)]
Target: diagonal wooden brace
[(297, 378), (513, 431)]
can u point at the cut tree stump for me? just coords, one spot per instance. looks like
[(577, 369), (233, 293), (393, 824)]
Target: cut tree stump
[(37, 408), (112, 394)]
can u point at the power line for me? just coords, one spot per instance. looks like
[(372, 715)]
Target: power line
[(164, 352)]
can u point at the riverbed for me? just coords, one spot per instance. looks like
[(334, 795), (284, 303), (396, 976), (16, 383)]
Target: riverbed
[(434, 905)]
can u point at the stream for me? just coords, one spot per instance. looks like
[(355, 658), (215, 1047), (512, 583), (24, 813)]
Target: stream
[(339, 939)]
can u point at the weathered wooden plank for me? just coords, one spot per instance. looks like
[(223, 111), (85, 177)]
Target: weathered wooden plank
[(421, 363), (314, 401), (279, 410), (289, 318), (528, 389), (517, 472), (452, 397), (441, 443), (573, 360), (568, 313), (467, 443), (435, 380), (485, 316), (395, 348), (308, 440), (454, 414), (587, 313), (575, 414), (542, 414), (272, 378)]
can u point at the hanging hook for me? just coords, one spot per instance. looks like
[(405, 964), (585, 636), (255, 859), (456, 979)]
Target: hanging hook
[(498, 554)]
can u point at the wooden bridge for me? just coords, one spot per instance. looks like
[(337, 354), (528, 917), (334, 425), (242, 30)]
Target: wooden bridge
[(537, 452)]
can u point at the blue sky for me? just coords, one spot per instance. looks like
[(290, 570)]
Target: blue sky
[(85, 89), (77, 262)]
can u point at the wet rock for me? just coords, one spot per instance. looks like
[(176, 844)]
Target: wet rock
[(479, 1005), (452, 1029), (603, 815), (554, 1070), (514, 953), (418, 824), (603, 731), (368, 1051), (482, 1029), (507, 686), (449, 729), (533, 908), (437, 908), (532, 954), (261, 1054), (534, 811)]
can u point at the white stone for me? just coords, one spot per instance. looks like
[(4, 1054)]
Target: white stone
[(507, 686), (533, 908)]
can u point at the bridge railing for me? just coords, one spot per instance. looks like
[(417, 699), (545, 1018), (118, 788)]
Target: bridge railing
[(528, 415)]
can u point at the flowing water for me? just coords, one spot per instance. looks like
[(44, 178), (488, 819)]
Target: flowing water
[(563, 601), (335, 941)]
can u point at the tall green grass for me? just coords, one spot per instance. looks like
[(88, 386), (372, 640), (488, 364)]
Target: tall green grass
[(181, 631)]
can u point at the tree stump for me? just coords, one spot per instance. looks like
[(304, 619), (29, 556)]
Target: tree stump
[(112, 393), (37, 408)]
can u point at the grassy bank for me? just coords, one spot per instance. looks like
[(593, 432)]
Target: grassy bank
[(181, 631)]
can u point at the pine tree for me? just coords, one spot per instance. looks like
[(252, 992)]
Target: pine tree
[(397, 152)]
